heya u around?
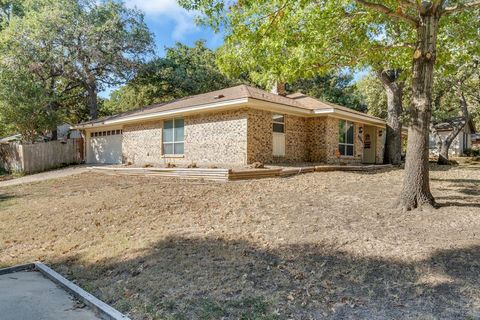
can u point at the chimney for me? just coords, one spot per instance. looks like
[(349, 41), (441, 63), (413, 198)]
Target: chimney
[(278, 88)]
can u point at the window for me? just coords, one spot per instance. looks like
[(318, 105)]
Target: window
[(105, 133), (345, 138), (173, 134), (278, 123)]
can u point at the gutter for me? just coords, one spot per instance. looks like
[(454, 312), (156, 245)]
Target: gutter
[(340, 113), (161, 114), (231, 104)]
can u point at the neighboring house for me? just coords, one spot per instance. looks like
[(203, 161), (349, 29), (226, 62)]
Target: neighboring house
[(64, 131), (462, 142), (476, 141), (237, 126)]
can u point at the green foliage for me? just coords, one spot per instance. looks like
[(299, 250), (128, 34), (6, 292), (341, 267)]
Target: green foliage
[(332, 88), (193, 70), (374, 95), (6, 128), (23, 103), (289, 40), (56, 55), (9, 9), (183, 72), (472, 152)]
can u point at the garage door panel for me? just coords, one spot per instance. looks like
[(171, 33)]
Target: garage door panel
[(105, 149)]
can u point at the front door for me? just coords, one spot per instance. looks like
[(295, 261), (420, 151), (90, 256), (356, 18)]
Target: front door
[(369, 144)]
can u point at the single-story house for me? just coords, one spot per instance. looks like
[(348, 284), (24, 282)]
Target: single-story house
[(475, 140), (461, 142), (236, 126)]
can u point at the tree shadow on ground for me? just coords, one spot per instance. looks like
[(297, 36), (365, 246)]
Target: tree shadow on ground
[(212, 278), (474, 181), (4, 199), (441, 167), (457, 204)]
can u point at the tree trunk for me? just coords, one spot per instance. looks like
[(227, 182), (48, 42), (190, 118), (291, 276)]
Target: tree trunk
[(394, 90), (416, 185), (92, 100), (54, 134), (443, 153)]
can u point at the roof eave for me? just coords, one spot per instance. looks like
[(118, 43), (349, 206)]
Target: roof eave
[(234, 103), (350, 116)]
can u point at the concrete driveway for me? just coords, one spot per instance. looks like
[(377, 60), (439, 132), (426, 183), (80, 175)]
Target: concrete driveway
[(53, 174), (28, 295)]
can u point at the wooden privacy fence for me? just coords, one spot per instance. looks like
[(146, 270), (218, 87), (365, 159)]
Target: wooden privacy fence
[(30, 158)]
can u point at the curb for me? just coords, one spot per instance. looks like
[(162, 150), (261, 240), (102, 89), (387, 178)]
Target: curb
[(99, 307)]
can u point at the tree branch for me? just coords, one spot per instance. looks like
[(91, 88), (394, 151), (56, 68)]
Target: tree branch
[(389, 12), (408, 3), (461, 7)]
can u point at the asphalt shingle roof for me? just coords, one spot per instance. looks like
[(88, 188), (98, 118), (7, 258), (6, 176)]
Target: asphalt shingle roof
[(296, 100)]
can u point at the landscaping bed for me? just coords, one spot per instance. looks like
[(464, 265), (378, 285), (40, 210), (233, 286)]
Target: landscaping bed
[(313, 246)]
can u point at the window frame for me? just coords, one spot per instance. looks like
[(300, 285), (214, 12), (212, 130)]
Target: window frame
[(278, 122), (345, 144), (173, 142)]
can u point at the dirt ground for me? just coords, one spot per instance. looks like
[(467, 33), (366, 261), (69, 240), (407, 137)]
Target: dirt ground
[(4, 176), (314, 246)]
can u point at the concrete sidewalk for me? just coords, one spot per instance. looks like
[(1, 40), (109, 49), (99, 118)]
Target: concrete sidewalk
[(53, 174), (28, 295)]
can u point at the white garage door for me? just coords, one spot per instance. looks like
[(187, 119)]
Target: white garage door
[(105, 147)]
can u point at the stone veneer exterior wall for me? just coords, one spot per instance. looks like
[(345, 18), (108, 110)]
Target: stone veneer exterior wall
[(142, 143)]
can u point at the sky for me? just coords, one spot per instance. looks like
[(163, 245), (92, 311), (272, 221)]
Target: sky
[(170, 23)]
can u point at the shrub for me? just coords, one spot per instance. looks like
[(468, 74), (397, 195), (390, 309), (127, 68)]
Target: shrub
[(472, 152)]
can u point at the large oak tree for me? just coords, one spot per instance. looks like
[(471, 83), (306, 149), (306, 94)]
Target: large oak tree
[(320, 42), (70, 50)]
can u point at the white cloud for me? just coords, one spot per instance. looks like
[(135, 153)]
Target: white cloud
[(170, 9)]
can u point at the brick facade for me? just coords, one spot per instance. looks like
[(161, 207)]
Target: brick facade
[(331, 134), (142, 143), (296, 142), (317, 139), (260, 138), (245, 136), (216, 138)]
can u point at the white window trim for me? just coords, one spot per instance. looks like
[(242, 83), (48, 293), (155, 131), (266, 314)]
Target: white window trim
[(173, 155), (345, 143)]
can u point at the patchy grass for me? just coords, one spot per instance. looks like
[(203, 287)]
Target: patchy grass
[(320, 245)]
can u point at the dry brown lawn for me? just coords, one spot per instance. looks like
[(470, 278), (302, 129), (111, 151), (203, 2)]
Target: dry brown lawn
[(314, 246)]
